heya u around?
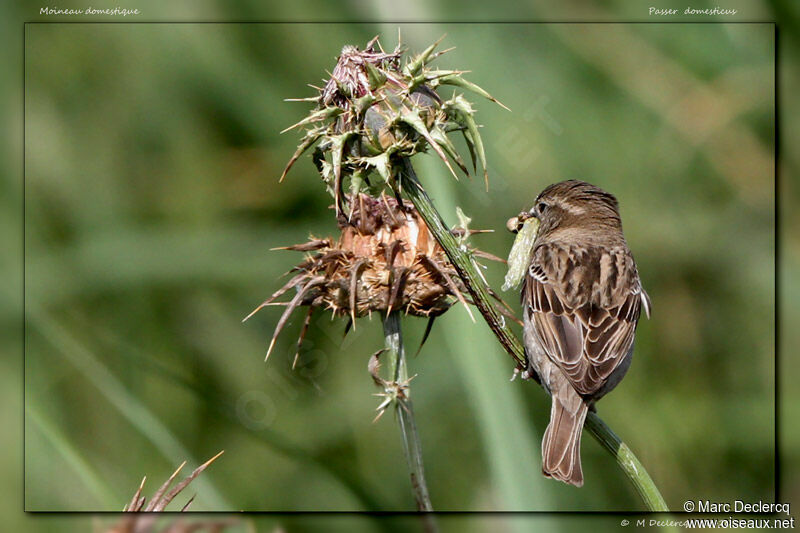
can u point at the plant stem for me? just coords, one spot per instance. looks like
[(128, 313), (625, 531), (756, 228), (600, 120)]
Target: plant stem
[(628, 462), (468, 273), (405, 411), (463, 264)]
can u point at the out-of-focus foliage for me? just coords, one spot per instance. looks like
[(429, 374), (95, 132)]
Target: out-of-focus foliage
[(152, 157)]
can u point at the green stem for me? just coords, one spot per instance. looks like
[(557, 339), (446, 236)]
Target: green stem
[(405, 412), (627, 461), (462, 262), (468, 273)]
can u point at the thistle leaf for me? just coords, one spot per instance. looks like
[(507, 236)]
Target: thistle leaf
[(344, 89), (431, 77), (413, 119), (381, 163), (413, 67), (316, 116), (461, 111), (444, 142), (364, 103), (470, 147), (356, 182), (325, 170), (440, 53), (338, 143), (308, 140), (439, 74), (463, 223), (458, 81), (376, 77)]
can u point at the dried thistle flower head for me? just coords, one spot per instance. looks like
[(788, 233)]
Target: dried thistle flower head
[(373, 111), (384, 259)]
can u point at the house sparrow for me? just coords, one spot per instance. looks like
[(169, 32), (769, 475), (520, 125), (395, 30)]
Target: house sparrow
[(581, 300)]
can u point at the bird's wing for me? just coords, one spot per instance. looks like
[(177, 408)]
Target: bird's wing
[(583, 303)]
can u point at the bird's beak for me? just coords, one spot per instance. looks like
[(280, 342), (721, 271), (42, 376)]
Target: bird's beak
[(514, 224)]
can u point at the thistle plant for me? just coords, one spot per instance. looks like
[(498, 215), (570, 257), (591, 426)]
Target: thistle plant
[(371, 117), (135, 522), (385, 261)]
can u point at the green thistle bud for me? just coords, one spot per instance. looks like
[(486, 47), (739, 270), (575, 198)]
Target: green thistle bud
[(372, 111)]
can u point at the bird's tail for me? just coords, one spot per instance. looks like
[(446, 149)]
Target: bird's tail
[(561, 446)]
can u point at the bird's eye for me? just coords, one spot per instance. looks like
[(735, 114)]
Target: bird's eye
[(541, 207)]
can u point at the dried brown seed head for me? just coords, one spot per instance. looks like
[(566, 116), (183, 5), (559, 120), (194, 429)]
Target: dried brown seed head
[(384, 259)]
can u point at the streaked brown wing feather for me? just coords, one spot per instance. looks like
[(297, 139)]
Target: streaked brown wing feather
[(584, 305)]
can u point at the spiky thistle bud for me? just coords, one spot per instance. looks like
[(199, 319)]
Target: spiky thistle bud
[(373, 111)]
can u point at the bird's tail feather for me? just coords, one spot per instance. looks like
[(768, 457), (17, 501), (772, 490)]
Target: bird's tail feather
[(561, 446)]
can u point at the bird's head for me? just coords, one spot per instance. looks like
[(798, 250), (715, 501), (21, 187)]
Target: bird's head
[(571, 206)]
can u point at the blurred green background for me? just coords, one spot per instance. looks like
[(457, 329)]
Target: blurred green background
[(152, 154)]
